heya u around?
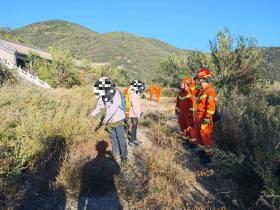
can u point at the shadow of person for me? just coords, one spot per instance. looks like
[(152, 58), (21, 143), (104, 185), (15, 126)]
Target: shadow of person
[(98, 189), (39, 194)]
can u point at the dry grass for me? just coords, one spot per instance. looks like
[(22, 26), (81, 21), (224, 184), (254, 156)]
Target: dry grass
[(31, 119)]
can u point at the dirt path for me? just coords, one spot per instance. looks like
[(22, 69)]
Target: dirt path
[(111, 199)]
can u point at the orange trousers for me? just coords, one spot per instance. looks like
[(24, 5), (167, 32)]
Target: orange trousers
[(151, 95), (186, 124), (204, 136)]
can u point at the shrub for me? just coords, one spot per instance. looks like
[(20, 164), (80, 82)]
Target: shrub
[(249, 129), (32, 120), (7, 77)]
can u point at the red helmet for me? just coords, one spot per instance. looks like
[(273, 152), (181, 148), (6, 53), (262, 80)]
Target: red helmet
[(203, 74)]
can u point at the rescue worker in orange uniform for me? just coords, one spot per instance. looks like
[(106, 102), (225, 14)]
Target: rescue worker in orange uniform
[(157, 91), (193, 109), (183, 110), (151, 90), (206, 106)]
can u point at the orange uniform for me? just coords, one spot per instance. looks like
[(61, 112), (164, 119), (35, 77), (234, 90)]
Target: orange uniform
[(151, 91), (193, 109), (157, 92), (183, 107), (206, 105)]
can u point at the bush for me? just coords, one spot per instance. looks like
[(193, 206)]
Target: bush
[(60, 72), (249, 129), (7, 77), (235, 62), (32, 120)]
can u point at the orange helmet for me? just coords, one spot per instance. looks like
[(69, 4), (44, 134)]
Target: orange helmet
[(186, 79), (203, 74)]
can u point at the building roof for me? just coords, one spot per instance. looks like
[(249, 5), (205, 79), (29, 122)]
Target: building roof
[(23, 48)]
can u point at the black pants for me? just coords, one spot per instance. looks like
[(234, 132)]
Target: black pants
[(133, 131)]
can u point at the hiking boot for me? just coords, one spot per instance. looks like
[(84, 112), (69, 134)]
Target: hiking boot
[(137, 142), (205, 160), (192, 146), (124, 159), (201, 154), (131, 143)]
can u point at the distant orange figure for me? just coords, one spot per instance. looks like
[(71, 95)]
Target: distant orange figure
[(157, 90), (151, 90)]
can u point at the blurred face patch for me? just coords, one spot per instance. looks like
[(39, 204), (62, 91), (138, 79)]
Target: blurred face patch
[(104, 89), (137, 86)]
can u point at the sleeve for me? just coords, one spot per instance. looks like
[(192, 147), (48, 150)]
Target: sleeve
[(113, 107), (99, 107), (211, 104)]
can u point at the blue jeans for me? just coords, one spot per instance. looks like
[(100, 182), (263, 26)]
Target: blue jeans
[(119, 146)]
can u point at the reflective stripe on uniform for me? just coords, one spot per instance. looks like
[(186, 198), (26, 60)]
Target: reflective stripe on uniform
[(210, 112), (184, 97), (193, 141), (203, 126), (203, 96), (210, 98)]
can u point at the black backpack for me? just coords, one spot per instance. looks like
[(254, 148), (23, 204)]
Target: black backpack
[(217, 116)]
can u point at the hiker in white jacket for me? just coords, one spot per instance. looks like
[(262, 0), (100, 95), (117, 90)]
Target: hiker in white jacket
[(110, 99)]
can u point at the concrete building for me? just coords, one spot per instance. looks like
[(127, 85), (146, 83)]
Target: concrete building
[(16, 53)]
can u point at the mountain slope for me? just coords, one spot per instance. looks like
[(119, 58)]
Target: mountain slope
[(138, 55)]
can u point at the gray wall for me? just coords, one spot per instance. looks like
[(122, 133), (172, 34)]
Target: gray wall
[(10, 57)]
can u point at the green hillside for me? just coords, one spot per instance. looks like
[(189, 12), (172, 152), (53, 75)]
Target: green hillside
[(136, 54)]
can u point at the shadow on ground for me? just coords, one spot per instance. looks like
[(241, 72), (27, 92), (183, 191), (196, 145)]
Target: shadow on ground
[(98, 190)]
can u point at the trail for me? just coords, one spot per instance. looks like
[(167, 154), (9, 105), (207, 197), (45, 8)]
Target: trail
[(99, 173)]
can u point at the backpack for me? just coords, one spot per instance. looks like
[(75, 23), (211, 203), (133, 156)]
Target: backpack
[(217, 116), (123, 105)]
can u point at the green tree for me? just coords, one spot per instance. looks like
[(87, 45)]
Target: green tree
[(170, 70), (63, 71), (198, 60), (235, 62)]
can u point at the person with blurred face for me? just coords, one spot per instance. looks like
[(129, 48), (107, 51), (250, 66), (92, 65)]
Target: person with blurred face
[(110, 98), (136, 88)]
